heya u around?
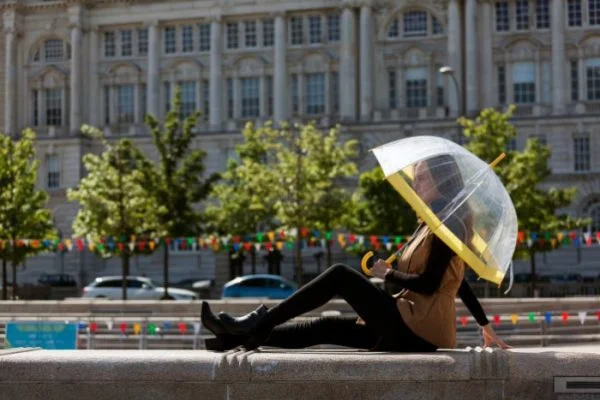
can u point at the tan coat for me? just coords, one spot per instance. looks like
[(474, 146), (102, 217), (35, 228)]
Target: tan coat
[(432, 318)]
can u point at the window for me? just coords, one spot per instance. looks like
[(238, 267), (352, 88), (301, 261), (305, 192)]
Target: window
[(522, 14), (250, 33), (167, 96), (415, 23), (439, 94), (315, 93), (523, 77), (268, 26), (581, 152), (574, 71), (416, 87), (125, 106), (230, 98), (592, 70), (314, 29), (502, 20), (170, 40), (594, 12), (54, 50), (333, 28), (394, 29), (126, 43), (546, 82), (501, 84), (574, 12), (110, 49), (204, 37), (206, 96), (188, 99), (595, 217), (53, 171), (36, 110), (142, 41), (511, 145), (335, 91), (250, 97), (297, 32), (54, 107), (232, 35), (436, 26), (542, 14), (106, 105), (295, 95), (187, 38), (269, 94), (392, 89)]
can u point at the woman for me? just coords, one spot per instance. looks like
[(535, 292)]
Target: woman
[(420, 318)]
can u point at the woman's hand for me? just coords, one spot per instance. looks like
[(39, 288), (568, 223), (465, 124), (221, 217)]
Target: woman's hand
[(379, 269), (490, 338)]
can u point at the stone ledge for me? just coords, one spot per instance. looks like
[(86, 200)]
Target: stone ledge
[(273, 374)]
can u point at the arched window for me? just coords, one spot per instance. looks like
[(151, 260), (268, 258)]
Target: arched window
[(414, 23), (51, 51)]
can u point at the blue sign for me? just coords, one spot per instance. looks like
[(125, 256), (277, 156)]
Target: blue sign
[(43, 334)]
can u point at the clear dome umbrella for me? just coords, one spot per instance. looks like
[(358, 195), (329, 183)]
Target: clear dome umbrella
[(458, 196)]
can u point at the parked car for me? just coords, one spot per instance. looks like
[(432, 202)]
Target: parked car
[(261, 285), (138, 288), (57, 280)]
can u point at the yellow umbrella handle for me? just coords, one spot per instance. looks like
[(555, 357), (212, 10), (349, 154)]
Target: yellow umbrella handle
[(366, 257), (497, 160)]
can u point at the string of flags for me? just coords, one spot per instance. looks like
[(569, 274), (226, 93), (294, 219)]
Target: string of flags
[(153, 328), (284, 238)]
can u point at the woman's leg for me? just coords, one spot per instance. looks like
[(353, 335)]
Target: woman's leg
[(340, 331), (373, 305)]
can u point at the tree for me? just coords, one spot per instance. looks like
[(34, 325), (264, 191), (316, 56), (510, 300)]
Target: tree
[(115, 201), (246, 195), (523, 173), (178, 184), (333, 168), (22, 207)]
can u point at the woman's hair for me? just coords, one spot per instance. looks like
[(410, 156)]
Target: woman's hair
[(449, 182)]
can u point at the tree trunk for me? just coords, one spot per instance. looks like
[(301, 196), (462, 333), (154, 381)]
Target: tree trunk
[(253, 258), (166, 272), (14, 280), (328, 244), (125, 271), (532, 259), (4, 283)]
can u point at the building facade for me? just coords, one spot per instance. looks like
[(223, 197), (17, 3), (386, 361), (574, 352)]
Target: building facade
[(371, 65)]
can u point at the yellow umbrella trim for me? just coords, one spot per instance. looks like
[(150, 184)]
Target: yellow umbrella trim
[(445, 234)]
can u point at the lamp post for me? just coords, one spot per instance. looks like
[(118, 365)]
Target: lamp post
[(449, 71)]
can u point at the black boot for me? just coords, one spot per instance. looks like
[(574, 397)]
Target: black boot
[(245, 324)]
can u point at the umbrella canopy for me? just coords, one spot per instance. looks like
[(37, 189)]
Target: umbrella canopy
[(458, 196)]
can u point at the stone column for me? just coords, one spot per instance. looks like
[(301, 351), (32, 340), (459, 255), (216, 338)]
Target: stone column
[(10, 83), (366, 63), (538, 78), (137, 106), (328, 94), (487, 58), (471, 70), (76, 93), (262, 97), (400, 89), (558, 56), (454, 56), (237, 101), (301, 102), (280, 84), (216, 76), (347, 66), (510, 96), (153, 79), (581, 78), (94, 110), (41, 107)]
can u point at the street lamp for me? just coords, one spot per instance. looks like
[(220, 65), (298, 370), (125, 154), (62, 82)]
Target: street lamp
[(449, 71)]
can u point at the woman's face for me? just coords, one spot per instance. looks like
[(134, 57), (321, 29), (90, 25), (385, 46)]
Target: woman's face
[(424, 184)]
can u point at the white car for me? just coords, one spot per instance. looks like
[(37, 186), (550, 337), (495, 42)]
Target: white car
[(138, 288)]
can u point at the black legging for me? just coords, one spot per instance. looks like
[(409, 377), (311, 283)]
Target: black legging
[(384, 327)]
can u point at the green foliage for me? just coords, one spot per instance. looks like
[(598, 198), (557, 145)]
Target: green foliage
[(380, 210), (177, 181), (22, 207), (522, 173), (113, 197)]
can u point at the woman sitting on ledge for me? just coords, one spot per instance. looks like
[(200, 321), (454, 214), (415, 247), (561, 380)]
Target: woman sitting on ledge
[(420, 318)]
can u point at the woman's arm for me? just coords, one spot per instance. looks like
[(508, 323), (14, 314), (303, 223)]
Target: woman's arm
[(431, 278)]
